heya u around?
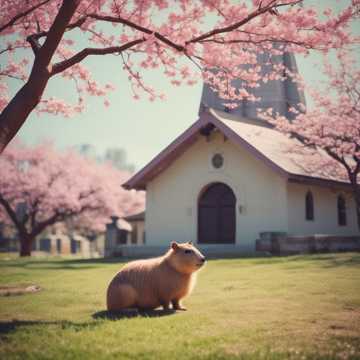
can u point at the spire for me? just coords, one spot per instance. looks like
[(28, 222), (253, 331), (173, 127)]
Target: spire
[(280, 95)]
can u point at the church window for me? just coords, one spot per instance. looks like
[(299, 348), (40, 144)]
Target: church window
[(309, 206), (341, 209), (217, 161)]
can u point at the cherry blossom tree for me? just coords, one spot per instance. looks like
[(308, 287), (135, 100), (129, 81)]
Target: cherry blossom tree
[(186, 39), (331, 129), (40, 187)]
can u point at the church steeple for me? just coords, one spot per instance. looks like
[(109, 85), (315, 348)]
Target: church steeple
[(279, 95)]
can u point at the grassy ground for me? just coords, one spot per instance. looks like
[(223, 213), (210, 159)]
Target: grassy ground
[(304, 307)]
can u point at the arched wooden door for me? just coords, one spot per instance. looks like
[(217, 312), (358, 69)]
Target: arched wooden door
[(216, 215)]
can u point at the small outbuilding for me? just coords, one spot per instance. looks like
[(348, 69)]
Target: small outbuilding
[(124, 232)]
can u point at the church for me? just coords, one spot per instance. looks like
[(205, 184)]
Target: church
[(230, 179)]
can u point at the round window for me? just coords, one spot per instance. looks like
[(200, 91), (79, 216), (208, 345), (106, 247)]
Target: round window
[(217, 161)]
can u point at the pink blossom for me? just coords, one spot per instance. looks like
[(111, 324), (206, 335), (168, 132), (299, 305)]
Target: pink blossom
[(332, 126), (169, 32), (54, 186)]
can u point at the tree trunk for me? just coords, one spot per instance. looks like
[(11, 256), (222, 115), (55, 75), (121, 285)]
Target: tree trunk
[(25, 245), (17, 111)]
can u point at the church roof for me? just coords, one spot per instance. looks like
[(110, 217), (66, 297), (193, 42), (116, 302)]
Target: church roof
[(265, 143)]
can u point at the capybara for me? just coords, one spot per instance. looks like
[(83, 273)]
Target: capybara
[(150, 283)]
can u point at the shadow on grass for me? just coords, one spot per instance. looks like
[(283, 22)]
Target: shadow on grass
[(11, 326), (60, 263), (7, 327), (131, 313)]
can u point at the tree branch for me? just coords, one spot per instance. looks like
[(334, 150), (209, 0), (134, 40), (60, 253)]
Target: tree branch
[(165, 40), (12, 48), (18, 109), (59, 216), (41, 226), (56, 32), (12, 215), (259, 11), (34, 38), (23, 14), (63, 65), (142, 29), (34, 43), (307, 143)]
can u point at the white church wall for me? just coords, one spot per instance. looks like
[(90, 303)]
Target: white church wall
[(325, 211), (261, 194)]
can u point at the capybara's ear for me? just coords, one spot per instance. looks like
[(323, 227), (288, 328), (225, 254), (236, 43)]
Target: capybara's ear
[(190, 242), (174, 245)]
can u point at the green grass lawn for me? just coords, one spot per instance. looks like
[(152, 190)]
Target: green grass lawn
[(302, 307)]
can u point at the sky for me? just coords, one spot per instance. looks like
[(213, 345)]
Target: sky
[(142, 128)]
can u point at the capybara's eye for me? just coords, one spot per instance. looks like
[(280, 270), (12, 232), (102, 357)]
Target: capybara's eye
[(188, 251)]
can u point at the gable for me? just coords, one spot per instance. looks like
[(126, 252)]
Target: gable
[(266, 144), (195, 165)]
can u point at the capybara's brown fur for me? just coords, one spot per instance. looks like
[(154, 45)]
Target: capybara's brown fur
[(150, 283)]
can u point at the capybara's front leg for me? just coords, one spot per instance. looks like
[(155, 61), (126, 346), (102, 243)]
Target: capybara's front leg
[(165, 305), (176, 305)]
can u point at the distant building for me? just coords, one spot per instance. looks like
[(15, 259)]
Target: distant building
[(122, 233), (53, 241), (118, 159), (88, 151), (137, 222)]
